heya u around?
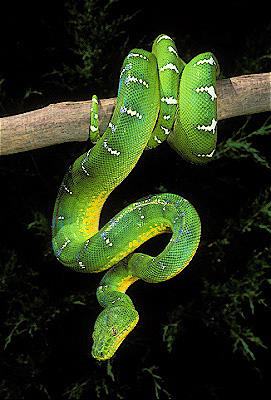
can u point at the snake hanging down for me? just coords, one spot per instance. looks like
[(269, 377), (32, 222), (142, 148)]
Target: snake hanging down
[(158, 93)]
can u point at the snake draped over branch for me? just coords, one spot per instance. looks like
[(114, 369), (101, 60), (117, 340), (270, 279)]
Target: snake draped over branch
[(158, 93)]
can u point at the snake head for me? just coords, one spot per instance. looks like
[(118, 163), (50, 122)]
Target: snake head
[(111, 328)]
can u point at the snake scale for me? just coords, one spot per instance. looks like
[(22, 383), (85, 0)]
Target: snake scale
[(158, 93)]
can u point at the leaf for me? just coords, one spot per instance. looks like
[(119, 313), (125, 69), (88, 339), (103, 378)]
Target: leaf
[(110, 371), (30, 91), (240, 144)]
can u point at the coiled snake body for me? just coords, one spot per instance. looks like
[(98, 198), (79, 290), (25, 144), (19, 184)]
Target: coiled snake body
[(157, 93)]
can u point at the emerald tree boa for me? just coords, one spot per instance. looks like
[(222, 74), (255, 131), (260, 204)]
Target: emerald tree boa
[(157, 93)]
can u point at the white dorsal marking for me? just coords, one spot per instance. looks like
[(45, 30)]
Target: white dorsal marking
[(84, 169), (135, 79), (112, 126), (110, 150), (169, 100), (166, 131), (128, 111), (93, 128), (172, 50), (163, 37), (106, 239), (137, 55), (67, 189), (205, 60), (208, 128), (126, 68), (209, 89), (65, 244), (170, 66), (157, 140), (207, 155)]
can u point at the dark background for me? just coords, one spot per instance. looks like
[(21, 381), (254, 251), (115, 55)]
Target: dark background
[(203, 334)]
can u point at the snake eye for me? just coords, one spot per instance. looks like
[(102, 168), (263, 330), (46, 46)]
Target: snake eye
[(114, 331)]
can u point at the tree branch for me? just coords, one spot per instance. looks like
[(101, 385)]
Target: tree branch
[(69, 121)]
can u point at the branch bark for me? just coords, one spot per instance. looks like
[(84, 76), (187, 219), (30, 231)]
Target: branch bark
[(69, 121)]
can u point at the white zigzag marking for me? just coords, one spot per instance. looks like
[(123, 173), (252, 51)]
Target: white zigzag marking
[(126, 68), (135, 79), (207, 155), (106, 239), (205, 60), (67, 189), (65, 244), (209, 89), (169, 100), (110, 150), (170, 66), (157, 140), (83, 167), (137, 55), (112, 126), (172, 50), (163, 37), (166, 131), (93, 128), (128, 111), (208, 127)]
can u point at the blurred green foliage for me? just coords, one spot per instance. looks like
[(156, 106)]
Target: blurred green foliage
[(240, 144), (93, 31)]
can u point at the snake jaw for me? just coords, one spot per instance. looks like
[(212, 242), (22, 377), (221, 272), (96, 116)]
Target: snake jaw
[(111, 328)]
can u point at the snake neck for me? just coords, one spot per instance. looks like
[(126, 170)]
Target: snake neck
[(114, 284)]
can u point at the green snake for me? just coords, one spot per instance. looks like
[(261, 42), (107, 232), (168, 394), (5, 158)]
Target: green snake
[(158, 93)]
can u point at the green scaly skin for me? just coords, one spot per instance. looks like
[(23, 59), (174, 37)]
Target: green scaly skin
[(157, 93)]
